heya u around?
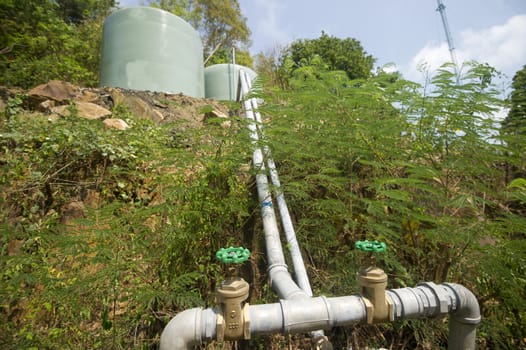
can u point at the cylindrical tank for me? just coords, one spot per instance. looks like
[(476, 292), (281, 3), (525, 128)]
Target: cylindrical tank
[(221, 81), (144, 48)]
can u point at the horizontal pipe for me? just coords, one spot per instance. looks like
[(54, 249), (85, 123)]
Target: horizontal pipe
[(194, 326), (301, 315), (305, 315)]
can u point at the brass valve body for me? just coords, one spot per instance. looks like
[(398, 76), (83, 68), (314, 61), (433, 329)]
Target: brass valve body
[(373, 282), (233, 320)]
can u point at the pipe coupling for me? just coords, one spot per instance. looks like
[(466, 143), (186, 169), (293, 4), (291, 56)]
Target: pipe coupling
[(233, 321)]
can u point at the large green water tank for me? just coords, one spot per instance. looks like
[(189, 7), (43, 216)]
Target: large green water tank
[(144, 48), (221, 81)]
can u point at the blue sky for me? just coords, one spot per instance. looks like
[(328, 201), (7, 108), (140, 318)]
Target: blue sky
[(403, 32)]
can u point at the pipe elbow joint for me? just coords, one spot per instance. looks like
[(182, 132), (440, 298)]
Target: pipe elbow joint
[(467, 309), (188, 329)]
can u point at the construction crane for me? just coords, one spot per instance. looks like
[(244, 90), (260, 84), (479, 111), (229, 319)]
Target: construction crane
[(442, 9)]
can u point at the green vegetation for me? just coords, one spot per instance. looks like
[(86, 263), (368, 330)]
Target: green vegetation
[(345, 55), (43, 40), (515, 122), (106, 234), (426, 173), (312, 57)]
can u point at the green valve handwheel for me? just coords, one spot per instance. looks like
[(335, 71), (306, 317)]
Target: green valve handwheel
[(233, 255), (371, 246)]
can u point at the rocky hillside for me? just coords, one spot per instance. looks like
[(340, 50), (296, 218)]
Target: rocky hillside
[(54, 98), (112, 203)]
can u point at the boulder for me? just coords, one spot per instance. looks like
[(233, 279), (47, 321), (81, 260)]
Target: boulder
[(88, 96), (116, 123), (86, 110), (71, 211), (137, 106), (214, 113), (56, 90), (46, 106)]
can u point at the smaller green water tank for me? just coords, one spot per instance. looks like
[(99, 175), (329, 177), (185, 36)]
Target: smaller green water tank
[(222, 80), (144, 48)]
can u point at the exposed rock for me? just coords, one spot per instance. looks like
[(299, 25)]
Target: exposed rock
[(86, 110), (56, 90), (136, 105), (158, 117), (14, 246), (116, 123), (46, 106), (487, 241), (218, 114), (88, 96), (71, 211), (52, 99), (159, 104)]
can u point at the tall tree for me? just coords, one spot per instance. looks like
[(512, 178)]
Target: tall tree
[(347, 54), (182, 8), (271, 68), (41, 40), (77, 11), (220, 23), (514, 127), (515, 122)]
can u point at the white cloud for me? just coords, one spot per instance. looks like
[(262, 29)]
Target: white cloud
[(267, 28), (501, 46)]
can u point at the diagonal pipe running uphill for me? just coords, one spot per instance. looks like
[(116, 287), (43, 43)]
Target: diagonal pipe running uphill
[(298, 311)]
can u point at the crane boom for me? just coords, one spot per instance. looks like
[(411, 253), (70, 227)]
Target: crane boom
[(442, 9)]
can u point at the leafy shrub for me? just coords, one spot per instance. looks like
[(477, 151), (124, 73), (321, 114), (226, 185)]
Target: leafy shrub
[(378, 160)]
